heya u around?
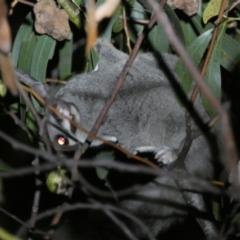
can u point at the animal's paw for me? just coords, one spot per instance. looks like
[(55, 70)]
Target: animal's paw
[(145, 149), (166, 155), (97, 143)]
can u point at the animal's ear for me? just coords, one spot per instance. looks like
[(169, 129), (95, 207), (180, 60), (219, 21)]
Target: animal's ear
[(107, 53), (66, 109), (40, 88)]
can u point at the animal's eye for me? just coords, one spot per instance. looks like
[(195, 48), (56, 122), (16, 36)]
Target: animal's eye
[(62, 140)]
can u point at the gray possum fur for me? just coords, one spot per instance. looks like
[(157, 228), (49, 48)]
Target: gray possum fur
[(145, 116)]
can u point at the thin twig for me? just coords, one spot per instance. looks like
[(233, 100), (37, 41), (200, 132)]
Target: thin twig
[(136, 20), (57, 216), (126, 31), (212, 121), (234, 4), (49, 80), (37, 195), (221, 11)]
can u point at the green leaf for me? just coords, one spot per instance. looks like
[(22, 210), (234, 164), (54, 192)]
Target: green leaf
[(24, 62), (118, 25), (101, 171), (92, 60), (65, 56), (213, 73), (197, 22), (4, 234), (212, 9), (77, 2), (4, 166), (175, 22), (230, 52), (43, 52), (26, 53), (190, 34), (3, 89), (137, 12), (31, 124), (158, 39), (24, 33), (216, 210), (14, 107), (196, 51), (72, 11)]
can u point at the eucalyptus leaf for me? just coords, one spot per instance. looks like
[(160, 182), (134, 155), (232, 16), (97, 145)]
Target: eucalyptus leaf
[(5, 235), (14, 107), (3, 89), (101, 171), (196, 51), (65, 58), (213, 73), (230, 52), (4, 166), (216, 210), (77, 2), (197, 22), (72, 10), (24, 63), (26, 53), (31, 124), (190, 33), (92, 60), (24, 33), (118, 25), (158, 39), (212, 9), (175, 22), (43, 52), (139, 13)]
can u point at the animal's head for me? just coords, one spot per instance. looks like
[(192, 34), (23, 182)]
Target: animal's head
[(61, 128)]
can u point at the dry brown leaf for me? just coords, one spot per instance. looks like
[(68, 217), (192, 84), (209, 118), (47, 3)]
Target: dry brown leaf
[(51, 20), (190, 7)]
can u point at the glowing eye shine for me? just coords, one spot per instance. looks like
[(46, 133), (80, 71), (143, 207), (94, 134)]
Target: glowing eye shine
[(61, 140)]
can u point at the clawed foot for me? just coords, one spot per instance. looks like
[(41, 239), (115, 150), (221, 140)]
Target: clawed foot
[(164, 155), (97, 143)]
